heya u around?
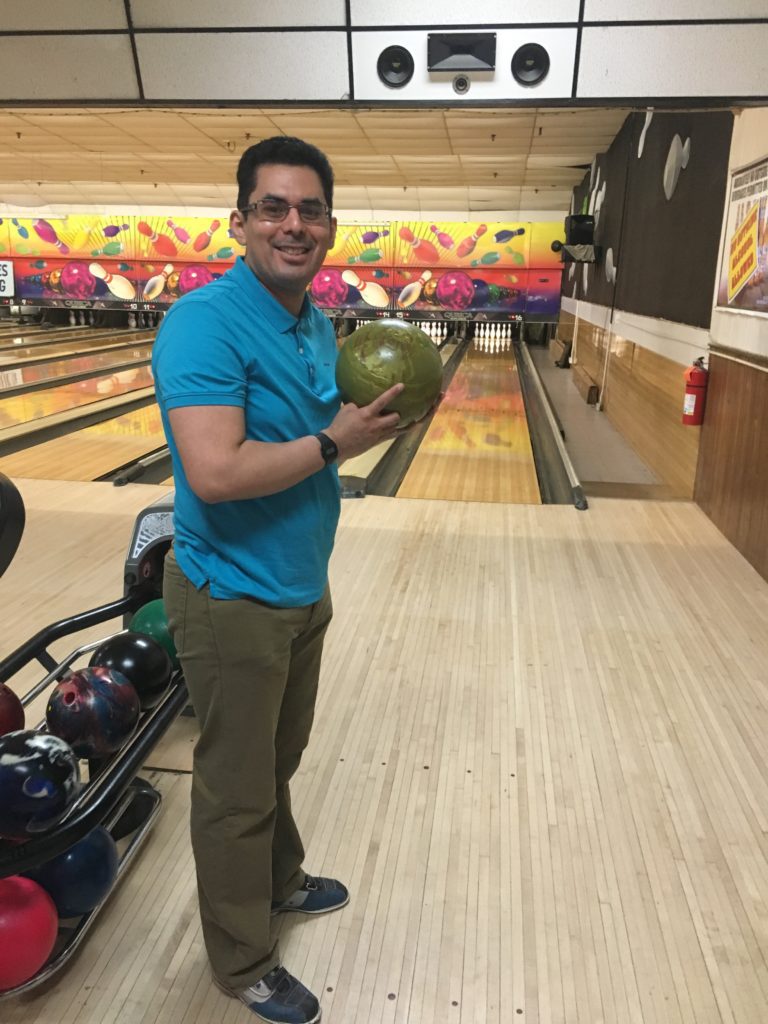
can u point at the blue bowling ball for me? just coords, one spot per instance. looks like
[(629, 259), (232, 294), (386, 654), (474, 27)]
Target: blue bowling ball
[(79, 879), (39, 781)]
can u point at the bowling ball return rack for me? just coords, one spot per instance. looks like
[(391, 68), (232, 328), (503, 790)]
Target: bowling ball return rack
[(115, 796)]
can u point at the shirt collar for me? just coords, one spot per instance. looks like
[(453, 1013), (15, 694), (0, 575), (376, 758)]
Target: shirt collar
[(275, 311)]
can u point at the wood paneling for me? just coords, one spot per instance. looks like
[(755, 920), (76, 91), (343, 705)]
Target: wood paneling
[(589, 350), (732, 475), (643, 399), (565, 326)]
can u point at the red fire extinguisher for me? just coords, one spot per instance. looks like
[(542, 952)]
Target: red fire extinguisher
[(696, 378)]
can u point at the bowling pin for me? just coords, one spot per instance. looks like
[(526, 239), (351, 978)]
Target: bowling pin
[(162, 243), (181, 233), (81, 317), (367, 256), (72, 317), (504, 236), (47, 232), (203, 240), (443, 238), (155, 285), (468, 245), (412, 291), (422, 249), (132, 320), (369, 237), (371, 292), (116, 283)]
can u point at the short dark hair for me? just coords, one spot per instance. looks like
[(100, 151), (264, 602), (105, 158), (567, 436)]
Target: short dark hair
[(282, 149)]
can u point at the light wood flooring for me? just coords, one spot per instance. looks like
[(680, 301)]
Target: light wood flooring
[(539, 761)]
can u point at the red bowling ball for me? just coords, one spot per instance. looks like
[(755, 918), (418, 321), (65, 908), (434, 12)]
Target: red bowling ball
[(94, 710), (11, 711), (28, 929)]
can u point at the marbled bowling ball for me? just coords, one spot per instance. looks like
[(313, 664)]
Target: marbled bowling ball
[(193, 277), (482, 292), (429, 290), (386, 352), (142, 660), (77, 280), (455, 290), (94, 710), (39, 780), (172, 284), (53, 280), (328, 288)]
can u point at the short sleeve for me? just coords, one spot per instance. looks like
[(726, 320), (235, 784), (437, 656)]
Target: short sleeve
[(195, 359)]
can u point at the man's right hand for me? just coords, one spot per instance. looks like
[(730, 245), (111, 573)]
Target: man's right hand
[(357, 428)]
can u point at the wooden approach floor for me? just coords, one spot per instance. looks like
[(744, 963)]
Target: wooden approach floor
[(539, 761), (477, 447)]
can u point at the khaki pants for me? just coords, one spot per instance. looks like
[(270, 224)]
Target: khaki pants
[(252, 673)]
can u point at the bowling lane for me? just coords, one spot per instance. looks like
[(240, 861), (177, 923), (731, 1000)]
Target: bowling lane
[(36, 406), (73, 344), (477, 447), (57, 368), (92, 452)]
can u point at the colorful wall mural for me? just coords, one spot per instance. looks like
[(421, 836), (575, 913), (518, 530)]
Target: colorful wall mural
[(413, 268)]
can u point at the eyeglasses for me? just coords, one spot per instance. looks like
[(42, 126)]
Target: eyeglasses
[(311, 211)]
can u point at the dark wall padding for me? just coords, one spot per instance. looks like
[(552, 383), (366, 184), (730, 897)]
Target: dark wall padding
[(671, 237)]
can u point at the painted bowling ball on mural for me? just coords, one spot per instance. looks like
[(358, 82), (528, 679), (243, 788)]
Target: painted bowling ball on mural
[(481, 290), (455, 290), (39, 780), (77, 280), (193, 277), (386, 352), (94, 710), (328, 288)]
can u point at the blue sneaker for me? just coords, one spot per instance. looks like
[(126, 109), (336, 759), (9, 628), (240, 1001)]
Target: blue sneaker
[(316, 896), (278, 998)]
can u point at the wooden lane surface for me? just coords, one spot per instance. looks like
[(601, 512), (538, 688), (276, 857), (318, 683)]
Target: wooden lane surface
[(91, 452), (35, 335), (38, 405), (477, 447), (68, 346), (538, 761), (91, 362)]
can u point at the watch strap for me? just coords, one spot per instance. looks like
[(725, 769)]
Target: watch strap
[(328, 448)]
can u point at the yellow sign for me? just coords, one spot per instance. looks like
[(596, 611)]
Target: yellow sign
[(742, 262)]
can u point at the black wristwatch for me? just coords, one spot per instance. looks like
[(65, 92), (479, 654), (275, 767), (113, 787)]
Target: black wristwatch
[(328, 448)]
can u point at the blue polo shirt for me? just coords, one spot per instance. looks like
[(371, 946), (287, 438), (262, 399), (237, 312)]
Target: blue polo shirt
[(233, 343)]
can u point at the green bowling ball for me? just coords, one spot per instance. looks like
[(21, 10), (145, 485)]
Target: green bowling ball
[(151, 620), (386, 352)]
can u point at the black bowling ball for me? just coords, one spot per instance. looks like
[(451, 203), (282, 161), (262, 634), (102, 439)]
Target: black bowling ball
[(141, 660)]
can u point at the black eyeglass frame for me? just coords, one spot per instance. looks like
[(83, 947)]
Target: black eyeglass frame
[(315, 204)]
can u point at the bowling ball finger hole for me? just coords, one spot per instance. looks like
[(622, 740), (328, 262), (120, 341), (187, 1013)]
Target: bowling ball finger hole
[(69, 699)]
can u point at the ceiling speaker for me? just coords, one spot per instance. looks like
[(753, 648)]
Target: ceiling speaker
[(395, 66), (461, 51), (530, 64)]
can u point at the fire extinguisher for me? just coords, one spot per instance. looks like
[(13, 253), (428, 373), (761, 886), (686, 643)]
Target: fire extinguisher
[(696, 378)]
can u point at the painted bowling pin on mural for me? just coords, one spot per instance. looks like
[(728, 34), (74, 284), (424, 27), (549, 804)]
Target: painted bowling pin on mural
[(467, 247), (442, 236), (156, 284), (412, 291), (422, 249), (368, 237), (181, 233), (203, 240), (371, 292), (117, 284), (48, 234), (163, 244)]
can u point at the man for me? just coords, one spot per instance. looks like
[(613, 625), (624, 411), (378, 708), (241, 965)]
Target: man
[(244, 371)]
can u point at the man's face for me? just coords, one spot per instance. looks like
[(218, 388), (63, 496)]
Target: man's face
[(285, 255)]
